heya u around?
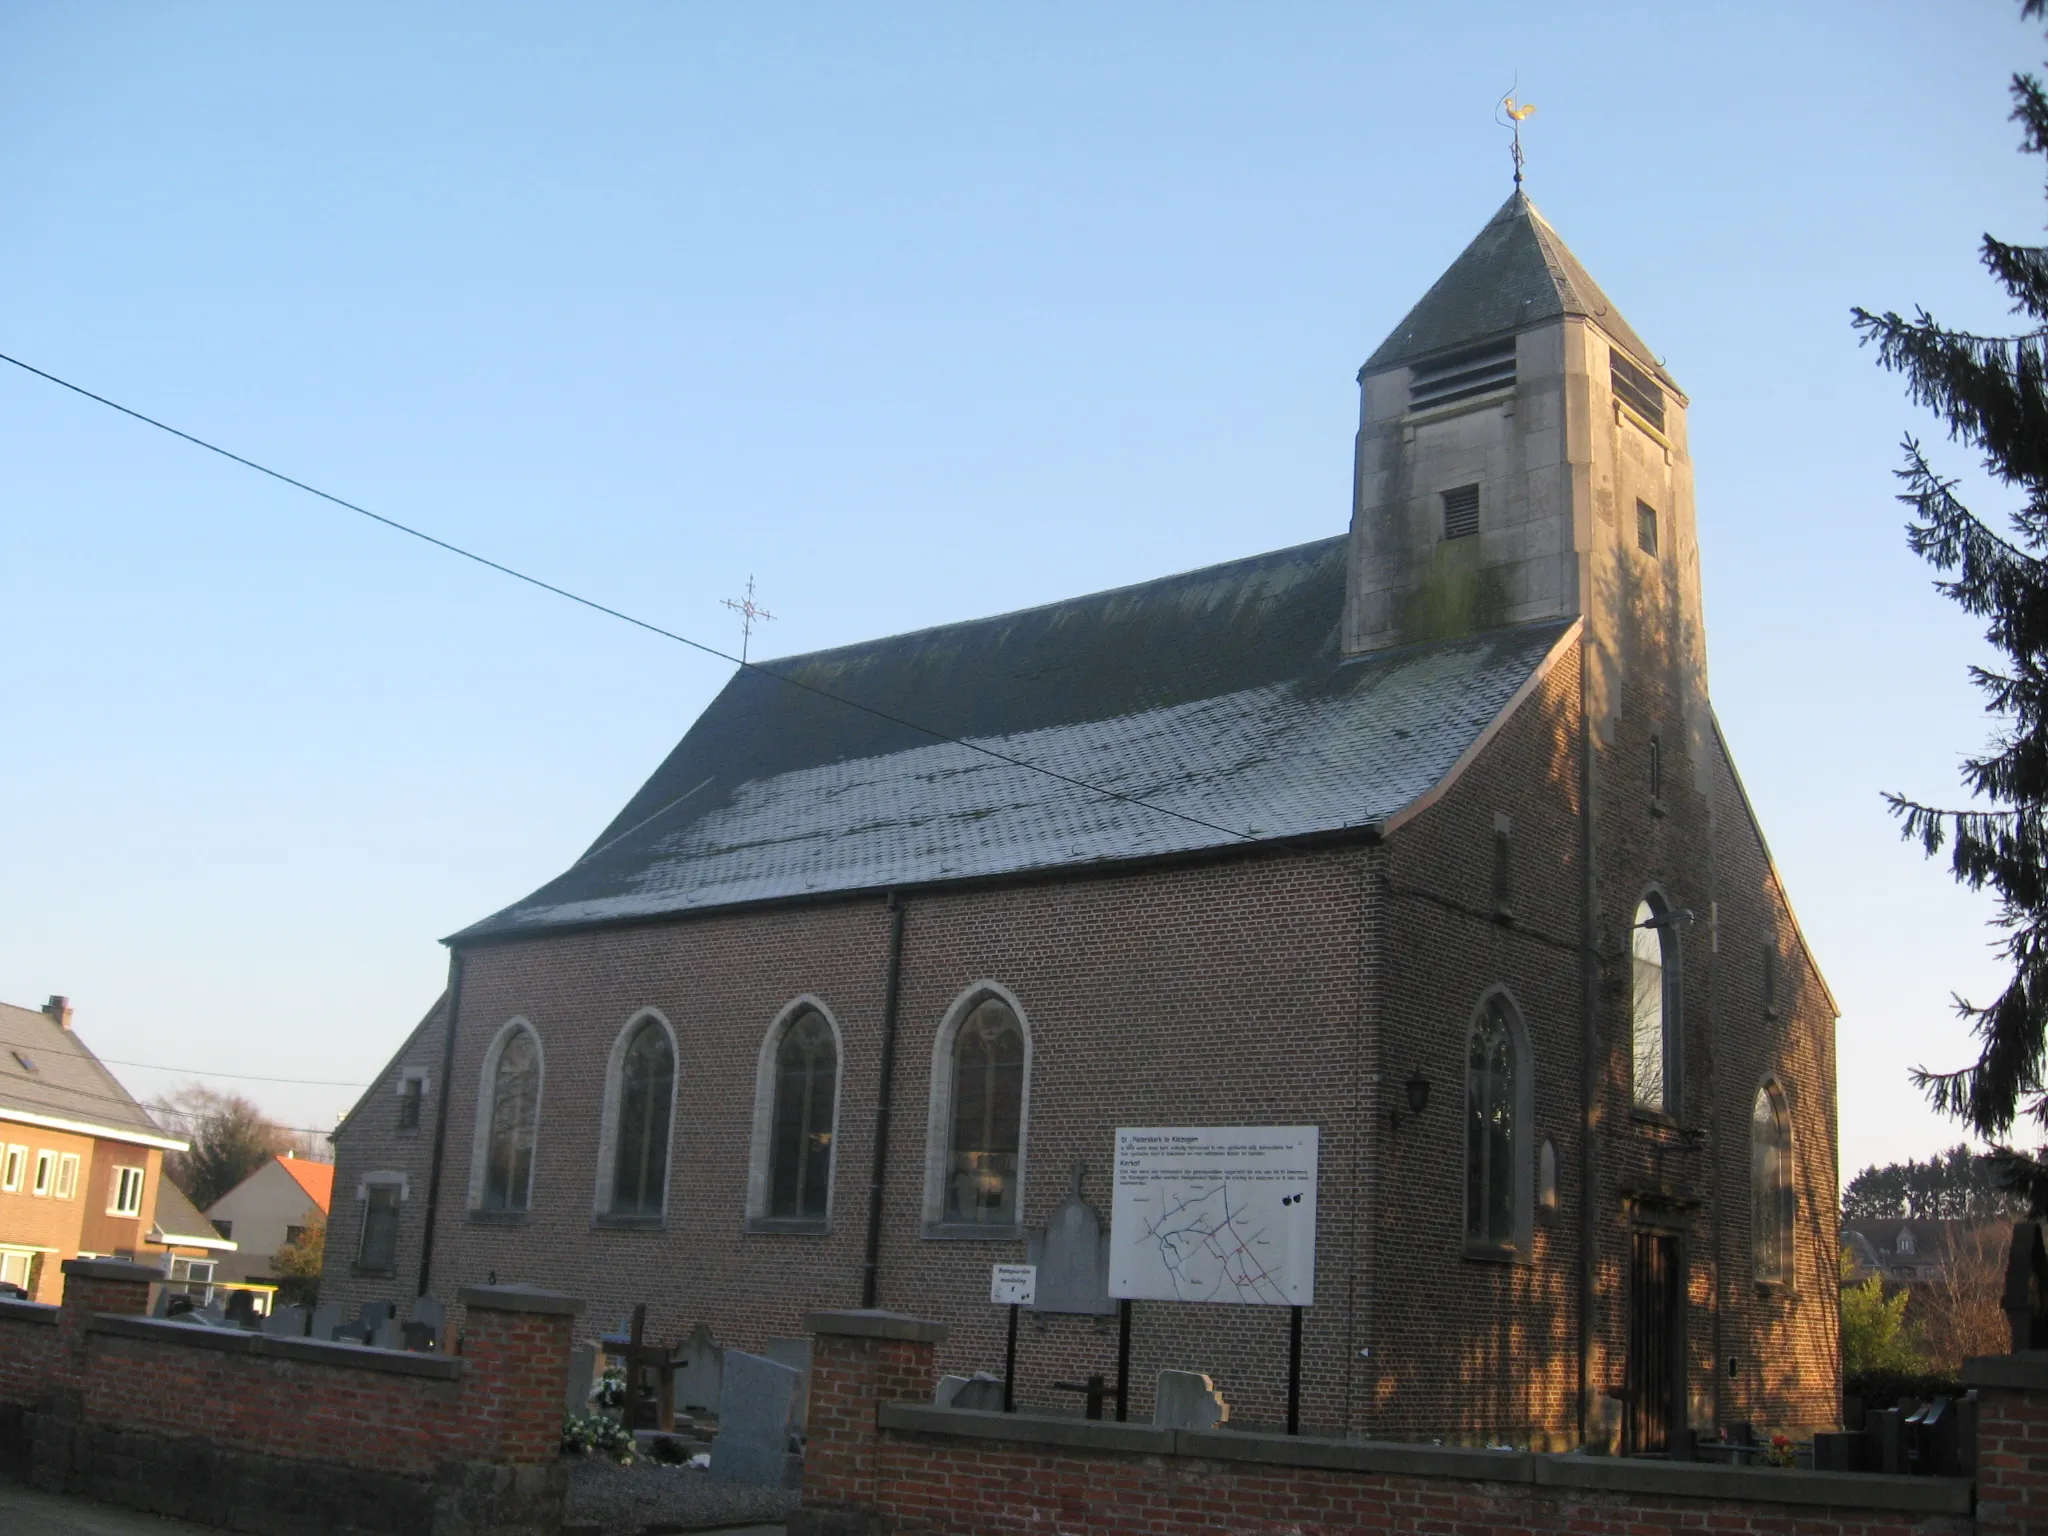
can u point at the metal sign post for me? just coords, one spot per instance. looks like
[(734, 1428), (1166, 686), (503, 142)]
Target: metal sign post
[(1014, 1286)]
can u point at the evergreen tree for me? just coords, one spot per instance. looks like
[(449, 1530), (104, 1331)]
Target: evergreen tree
[(1954, 1185), (1992, 394)]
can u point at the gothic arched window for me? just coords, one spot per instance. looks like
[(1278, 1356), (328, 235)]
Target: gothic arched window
[(646, 1084), (1497, 1130), (512, 1121), (1652, 950), (1771, 1191), (806, 1095), (984, 1120)]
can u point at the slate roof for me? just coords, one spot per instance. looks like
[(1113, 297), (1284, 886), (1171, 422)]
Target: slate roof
[(1516, 273), (45, 1070), (1219, 694), (176, 1221)]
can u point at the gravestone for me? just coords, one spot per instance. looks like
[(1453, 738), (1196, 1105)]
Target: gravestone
[(1072, 1256), (981, 1391), (753, 1421), (700, 1371), (161, 1307), (212, 1314), (582, 1367), (796, 1354), (326, 1318), (372, 1313), (1188, 1400), (241, 1309), (287, 1322), (389, 1334), (425, 1322)]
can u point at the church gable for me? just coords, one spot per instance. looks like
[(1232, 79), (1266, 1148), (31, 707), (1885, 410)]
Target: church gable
[(1218, 698)]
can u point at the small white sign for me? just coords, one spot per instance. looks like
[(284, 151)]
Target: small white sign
[(1013, 1285)]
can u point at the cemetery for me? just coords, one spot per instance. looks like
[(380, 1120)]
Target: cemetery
[(499, 1415)]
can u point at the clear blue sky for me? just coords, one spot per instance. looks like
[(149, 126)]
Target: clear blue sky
[(915, 313)]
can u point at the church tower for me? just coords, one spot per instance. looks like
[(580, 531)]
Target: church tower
[(1522, 457)]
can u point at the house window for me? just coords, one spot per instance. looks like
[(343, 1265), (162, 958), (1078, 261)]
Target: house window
[(17, 1267), (806, 1095), (1461, 512), (1904, 1243), (67, 1176), (1771, 1194), (1496, 1130), (511, 1120), (127, 1191), (646, 1092), (46, 1172), (980, 1088), (13, 1169), (293, 1236), (411, 1092), (1646, 528), (1652, 948), (378, 1251)]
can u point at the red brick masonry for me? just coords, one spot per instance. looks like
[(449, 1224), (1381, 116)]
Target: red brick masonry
[(880, 1459), (80, 1383)]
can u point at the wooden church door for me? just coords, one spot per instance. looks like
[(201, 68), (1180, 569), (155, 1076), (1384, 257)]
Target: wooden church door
[(1656, 1332)]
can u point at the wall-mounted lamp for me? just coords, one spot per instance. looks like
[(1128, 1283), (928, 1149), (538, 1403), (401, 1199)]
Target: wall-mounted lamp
[(1679, 918), (1418, 1093)]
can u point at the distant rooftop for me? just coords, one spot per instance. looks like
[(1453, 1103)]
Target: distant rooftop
[(48, 1076)]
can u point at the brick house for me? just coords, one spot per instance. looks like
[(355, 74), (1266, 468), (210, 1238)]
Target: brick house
[(1425, 835), (81, 1163)]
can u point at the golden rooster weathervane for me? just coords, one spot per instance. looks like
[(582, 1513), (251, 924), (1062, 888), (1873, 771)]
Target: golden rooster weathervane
[(1517, 114)]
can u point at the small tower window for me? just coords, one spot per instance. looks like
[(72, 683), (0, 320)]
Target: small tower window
[(1636, 389), (1461, 512), (1656, 771), (1503, 870), (1646, 528), (1770, 979)]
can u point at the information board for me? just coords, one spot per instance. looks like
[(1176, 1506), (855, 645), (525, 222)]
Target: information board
[(1216, 1214)]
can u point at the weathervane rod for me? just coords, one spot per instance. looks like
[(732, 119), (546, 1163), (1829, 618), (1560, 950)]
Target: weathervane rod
[(1516, 115)]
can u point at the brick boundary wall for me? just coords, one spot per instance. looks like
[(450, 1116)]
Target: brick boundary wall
[(881, 1461), (2012, 1441), (290, 1436)]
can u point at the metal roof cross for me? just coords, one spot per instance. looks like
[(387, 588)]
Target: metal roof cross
[(749, 611)]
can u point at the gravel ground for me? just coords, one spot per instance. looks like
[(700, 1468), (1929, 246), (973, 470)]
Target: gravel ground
[(629, 1499)]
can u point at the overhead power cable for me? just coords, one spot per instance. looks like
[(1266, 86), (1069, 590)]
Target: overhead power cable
[(246, 1077), (627, 618)]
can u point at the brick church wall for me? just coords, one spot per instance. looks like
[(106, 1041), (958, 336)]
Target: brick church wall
[(1303, 986)]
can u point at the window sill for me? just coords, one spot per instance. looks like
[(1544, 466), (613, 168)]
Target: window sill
[(967, 1232), (787, 1226), (612, 1222), (1487, 1253), (1645, 1118), (1658, 808), (1777, 1288), (499, 1218), (374, 1274)]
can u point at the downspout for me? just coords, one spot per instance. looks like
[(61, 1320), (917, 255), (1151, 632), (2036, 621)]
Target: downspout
[(870, 1270), (441, 1117), (1589, 1037)]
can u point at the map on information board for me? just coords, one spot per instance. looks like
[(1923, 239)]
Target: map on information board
[(1215, 1213)]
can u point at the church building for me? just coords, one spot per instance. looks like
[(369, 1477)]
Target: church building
[(1424, 835)]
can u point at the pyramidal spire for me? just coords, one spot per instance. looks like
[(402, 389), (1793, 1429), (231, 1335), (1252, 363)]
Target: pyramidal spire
[(1516, 273)]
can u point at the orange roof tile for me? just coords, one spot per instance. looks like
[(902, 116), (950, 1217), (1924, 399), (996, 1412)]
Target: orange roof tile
[(316, 1179)]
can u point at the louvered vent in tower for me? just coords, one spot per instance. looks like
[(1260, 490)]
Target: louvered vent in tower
[(1478, 371), (1637, 390)]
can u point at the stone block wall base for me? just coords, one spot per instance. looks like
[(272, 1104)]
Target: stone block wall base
[(836, 1520), (191, 1478)]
